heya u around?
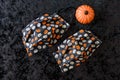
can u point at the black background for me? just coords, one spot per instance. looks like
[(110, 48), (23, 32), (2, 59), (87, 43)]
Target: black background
[(104, 64)]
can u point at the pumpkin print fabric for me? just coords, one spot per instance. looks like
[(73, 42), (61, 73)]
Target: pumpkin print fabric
[(76, 49), (43, 32), (84, 14)]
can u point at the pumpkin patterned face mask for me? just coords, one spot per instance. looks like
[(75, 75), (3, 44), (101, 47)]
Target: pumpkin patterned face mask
[(43, 32), (76, 49)]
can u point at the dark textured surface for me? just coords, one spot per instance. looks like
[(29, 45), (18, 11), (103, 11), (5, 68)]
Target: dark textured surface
[(14, 63)]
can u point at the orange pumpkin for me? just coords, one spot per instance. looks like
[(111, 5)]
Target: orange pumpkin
[(84, 14)]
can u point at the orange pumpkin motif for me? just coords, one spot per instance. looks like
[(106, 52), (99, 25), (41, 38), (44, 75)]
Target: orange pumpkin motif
[(84, 14)]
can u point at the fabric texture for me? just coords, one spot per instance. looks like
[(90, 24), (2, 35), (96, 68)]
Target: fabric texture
[(104, 64)]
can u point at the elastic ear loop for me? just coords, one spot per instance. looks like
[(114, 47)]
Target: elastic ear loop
[(64, 10)]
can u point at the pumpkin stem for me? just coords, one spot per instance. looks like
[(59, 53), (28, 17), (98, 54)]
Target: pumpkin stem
[(86, 12)]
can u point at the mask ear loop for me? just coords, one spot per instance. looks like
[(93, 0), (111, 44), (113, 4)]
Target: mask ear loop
[(68, 12)]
